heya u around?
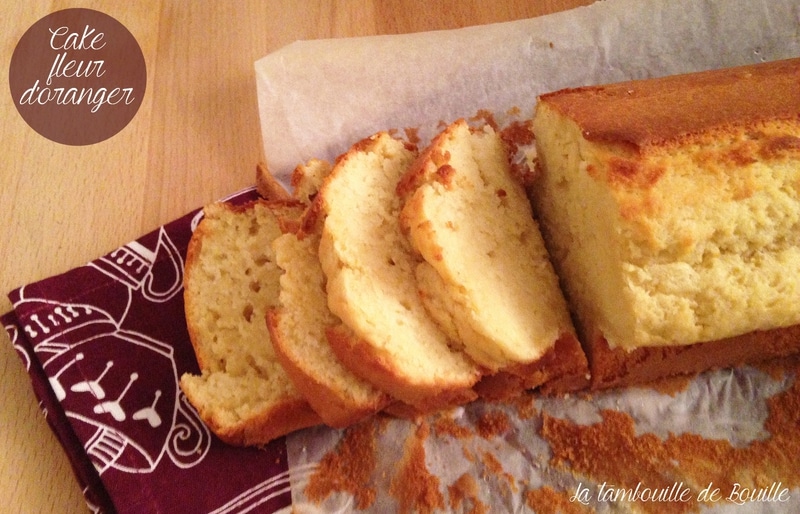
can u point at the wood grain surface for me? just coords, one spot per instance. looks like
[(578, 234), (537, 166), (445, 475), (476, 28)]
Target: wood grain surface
[(195, 138)]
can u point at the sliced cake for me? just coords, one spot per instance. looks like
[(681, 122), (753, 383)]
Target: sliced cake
[(242, 392), (298, 325), (485, 274), (369, 268)]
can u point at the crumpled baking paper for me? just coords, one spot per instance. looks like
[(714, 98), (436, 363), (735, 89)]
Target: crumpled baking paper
[(316, 98)]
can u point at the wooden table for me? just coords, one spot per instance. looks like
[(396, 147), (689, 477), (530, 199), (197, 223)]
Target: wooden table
[(194, 139)]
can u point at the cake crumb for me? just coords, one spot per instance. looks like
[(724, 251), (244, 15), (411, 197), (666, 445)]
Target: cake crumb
[(348, 467), (547, 500), (414, 487), (493, 467), (610, 451), (447, 426), (485, 117), (493, 424), (412, 135), (469, 455), (524, 405), (465, 491)]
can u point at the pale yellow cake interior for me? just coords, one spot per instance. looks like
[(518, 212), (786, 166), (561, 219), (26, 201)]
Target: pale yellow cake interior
[(306, 316), (687, 241), (369, 267), (486, 277), (232, 283)]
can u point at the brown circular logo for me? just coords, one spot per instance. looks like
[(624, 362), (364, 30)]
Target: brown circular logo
[(77, 76)]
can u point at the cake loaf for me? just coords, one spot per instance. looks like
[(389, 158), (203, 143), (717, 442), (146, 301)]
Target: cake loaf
[(485, 275), (671, 207)]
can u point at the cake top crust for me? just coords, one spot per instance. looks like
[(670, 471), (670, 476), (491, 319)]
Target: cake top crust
[(645, 113)]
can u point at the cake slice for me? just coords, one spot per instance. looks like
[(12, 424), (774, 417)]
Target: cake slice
[(486, 276), (298, 328), (242, 392), (369, 268), (672, 210), (298, 324)]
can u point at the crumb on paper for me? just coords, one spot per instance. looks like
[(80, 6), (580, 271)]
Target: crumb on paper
[(445, 425), (414, 487), (493, 424), (464, 492), (348, 468), (493, 468), (611, 451), (547, 500)]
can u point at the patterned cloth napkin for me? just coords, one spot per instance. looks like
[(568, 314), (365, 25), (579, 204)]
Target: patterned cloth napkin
[(104, 345)]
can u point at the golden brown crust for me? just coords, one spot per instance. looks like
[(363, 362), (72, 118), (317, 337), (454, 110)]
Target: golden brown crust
[(267, 186), (192, 254), (566, 365), (363, 360), (405, 411), (617, 367), (562, 369), (331, 407), (312, 220), (641, 113), (281, 419), (416, 174)]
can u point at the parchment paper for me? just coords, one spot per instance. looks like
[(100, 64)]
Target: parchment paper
[(316, 98), (728, 405)]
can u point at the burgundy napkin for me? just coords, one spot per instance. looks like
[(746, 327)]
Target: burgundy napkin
[(104, 345)]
